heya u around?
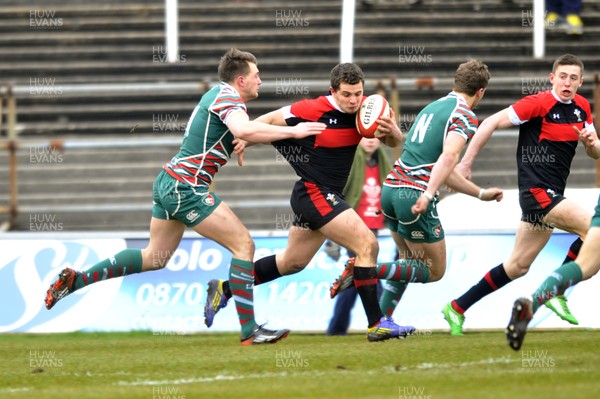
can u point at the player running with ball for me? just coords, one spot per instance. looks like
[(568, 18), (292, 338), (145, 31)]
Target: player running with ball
[(320, 211), (410, 193)]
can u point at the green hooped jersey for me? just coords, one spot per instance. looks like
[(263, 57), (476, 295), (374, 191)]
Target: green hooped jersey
[(207, 142), (424, 142)]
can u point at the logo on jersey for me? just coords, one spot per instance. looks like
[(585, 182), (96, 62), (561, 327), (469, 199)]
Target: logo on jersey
[(192, 215), (209, 200), (551, 193), (332, 198), (332, 121), (555, 116), (417, 235), (437, 230), (578, 115)]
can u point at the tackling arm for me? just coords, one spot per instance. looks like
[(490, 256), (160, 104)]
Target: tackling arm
[(500, 120), (258, 131)]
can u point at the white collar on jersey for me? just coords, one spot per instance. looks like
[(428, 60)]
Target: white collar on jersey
[(558, 98), (331, 100), (458, 95)]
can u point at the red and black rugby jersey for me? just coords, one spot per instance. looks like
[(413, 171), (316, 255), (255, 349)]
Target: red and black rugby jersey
[(547, 140), (324, 159)]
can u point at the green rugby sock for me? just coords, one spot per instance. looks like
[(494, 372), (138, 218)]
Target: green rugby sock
[(392, 293), (406, 270), (557, 283), (241, 283), (128, 261)]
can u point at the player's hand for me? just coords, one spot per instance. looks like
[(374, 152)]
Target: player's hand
[(305, 129), (464, 170), (387, 126), (491, 194), (586, 137), (388, 131), (421, 205), (238, 149)]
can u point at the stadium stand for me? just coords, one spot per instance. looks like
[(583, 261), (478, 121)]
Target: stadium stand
[(122, 42)]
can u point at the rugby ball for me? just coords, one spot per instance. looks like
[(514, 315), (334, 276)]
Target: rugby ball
[(371, 109)]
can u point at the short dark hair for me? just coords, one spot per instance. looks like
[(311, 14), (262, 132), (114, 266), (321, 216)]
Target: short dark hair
[(567, 59), (235, 63), (348, 72), (471, 76)]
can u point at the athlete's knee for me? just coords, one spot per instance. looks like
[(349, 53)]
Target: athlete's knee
[(368, 248), (436, 271), (435, 275), (244, 248)]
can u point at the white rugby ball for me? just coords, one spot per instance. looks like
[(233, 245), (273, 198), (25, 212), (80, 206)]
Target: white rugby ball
[(371, 109)]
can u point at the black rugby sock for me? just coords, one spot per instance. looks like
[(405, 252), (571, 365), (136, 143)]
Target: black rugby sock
[(493, 280)]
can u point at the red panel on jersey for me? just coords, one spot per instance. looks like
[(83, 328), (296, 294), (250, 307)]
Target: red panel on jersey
[(337, 138), (558, 132), (339, 133)]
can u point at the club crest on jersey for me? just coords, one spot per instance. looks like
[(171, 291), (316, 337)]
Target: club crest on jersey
[(332, 198), (209, 200), (578, 115), (437, 230)]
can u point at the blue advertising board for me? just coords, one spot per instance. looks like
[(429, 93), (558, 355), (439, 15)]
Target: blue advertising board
[(171, 300)]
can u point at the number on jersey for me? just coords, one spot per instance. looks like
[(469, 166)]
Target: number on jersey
[(421, 128)]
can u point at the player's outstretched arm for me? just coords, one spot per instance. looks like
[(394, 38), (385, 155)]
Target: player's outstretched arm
[(459, 183), (260, 132), (500, 120)]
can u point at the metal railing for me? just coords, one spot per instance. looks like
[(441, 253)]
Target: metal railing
[(10, 94)]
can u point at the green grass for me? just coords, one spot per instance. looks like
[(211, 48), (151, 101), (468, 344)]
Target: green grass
[(551, 364)]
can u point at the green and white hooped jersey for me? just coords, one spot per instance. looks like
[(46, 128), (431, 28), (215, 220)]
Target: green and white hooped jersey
[(207, 142), (425, 141)]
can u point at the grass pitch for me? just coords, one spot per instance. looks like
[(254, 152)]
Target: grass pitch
[(551, 364)]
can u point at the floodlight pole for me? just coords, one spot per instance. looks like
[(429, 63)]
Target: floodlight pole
[(347, 31), (171, 31), (539, 34)]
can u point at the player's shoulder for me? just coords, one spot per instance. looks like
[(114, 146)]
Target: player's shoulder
[(581, 101), (543, 97), (455, 105), (226, 90), (313, 108), (320, 102), (464, 109), (541, 101), (224, 96)]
